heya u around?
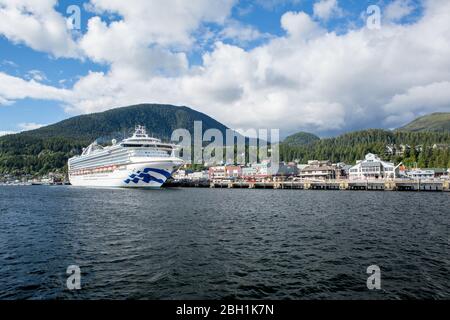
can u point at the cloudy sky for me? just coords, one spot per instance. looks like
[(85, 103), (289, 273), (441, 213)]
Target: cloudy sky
[(316, 66)]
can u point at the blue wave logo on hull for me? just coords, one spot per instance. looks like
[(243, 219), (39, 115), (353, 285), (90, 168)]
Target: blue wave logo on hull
[(146, 177)]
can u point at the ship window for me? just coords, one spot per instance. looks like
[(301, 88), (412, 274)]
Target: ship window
[(133, 145), (144, 146)]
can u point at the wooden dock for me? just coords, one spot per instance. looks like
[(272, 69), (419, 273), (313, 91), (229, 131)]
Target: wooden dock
[(374, 185)]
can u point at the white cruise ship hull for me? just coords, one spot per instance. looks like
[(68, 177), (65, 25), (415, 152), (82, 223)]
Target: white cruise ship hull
[(145, 174)]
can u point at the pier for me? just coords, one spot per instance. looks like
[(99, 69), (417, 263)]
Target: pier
[(367, 185)]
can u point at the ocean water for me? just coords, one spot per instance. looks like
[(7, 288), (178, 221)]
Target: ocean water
[(222, 243)]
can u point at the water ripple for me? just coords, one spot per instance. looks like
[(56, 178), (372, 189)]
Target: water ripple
[(222, 244)]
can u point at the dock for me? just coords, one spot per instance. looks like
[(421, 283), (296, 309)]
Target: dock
[(369, 185)]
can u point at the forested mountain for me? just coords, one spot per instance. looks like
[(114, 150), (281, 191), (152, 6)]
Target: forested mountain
[(48, 148), (300, 139), (353, 146), (432, 122), (160, 120)]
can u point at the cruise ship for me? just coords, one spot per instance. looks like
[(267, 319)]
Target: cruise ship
[(137, 162)]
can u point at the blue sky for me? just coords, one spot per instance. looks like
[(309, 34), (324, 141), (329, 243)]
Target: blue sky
[(261, 63)]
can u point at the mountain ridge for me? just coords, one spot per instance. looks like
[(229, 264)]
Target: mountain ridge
[(300, 138), (47, 149), (438, 121), (160, 119)]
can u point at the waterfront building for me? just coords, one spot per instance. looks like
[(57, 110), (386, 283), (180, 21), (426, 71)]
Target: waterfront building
[(224, 172), (287, 170), (198, 176), (265, 169), (182, 174), (318, 170), (345, 169), (216, 173), (248, 172), (179, 174), (341, 170), (372, 167), (420, 174), (426, 173), (301, 166), (233, 172), (438, 172)]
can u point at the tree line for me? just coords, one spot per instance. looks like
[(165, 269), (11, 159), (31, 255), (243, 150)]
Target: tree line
[(353, 146), (24, 154)]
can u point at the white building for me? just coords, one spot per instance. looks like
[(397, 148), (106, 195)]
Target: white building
[(198, 175), (318, 170), (420, 174), (248, 172), (218, 172), (260, 170), (372, 167)]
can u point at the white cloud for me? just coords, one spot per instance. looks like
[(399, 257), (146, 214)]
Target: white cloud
[(420, 100), (38, 25), (308, 79), (4, 133), (36, 75), (13, 88), (398, 9), (9, 63), (325, 9), (152, 37), (272, 4), (5, 102), (30, 126), (165, 22), (240, 34), (299, 25)]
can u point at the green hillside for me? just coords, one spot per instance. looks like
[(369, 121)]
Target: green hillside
[(160, 120), (353, 146), (432, 122), (301, 139), (47, 149)]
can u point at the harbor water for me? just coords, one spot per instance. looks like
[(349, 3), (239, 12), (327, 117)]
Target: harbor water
[(222, 243)]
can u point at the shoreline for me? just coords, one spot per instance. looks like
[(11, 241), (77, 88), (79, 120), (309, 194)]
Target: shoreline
[(337, 185), (369, 185)]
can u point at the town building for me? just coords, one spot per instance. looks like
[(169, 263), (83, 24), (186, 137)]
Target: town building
[(248, 172), (181, 174), (397, 150), (318, 170), (441, 146), (287, 170), (233, 172), (301, 166), (224, 172), (198, 176), (438, 172), (372, 167), (345, 170), (265, 169), (420, 174), (216, 173)]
